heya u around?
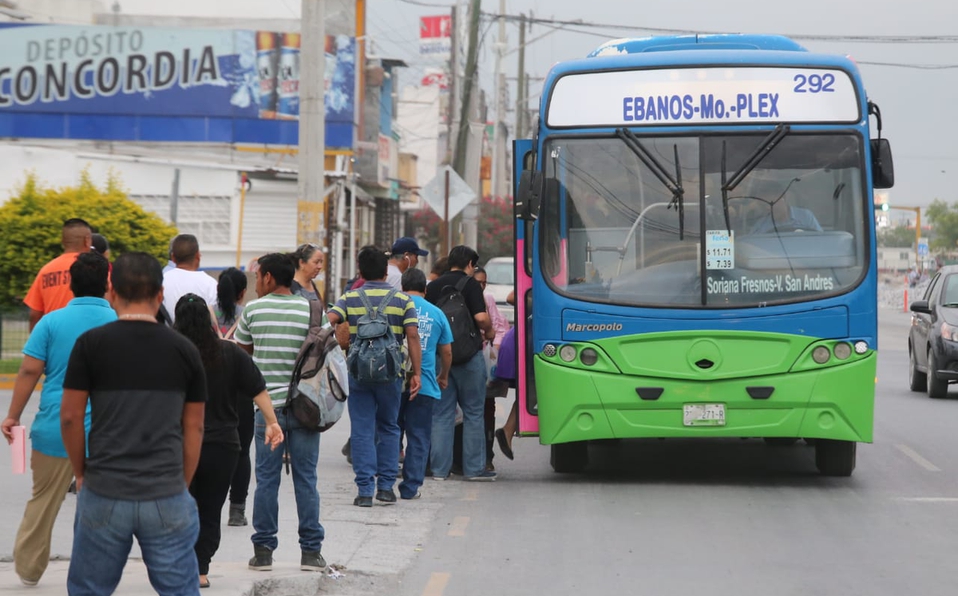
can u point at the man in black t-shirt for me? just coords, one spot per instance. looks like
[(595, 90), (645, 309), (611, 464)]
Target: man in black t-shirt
[(467, 380), (147, 391)]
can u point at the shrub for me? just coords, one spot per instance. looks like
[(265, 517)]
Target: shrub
[(31, 221)]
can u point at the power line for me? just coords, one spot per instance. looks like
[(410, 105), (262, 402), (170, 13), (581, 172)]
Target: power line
[(896, 39), (430, 4), (916, 66)]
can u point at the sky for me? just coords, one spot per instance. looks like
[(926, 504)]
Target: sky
[(917, 103)]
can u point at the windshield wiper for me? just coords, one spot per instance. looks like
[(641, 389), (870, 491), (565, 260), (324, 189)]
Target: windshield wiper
[(673, 184), (760, 153)]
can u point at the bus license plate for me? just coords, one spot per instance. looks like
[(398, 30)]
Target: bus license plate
[(703, 414)]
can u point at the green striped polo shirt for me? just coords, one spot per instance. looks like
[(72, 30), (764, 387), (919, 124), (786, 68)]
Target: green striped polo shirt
[(400, 312), (276, 326)]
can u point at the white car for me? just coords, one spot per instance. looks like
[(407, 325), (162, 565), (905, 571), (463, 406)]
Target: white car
[(501, 280)]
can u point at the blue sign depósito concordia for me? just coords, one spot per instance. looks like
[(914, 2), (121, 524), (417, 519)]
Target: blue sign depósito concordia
[(172, 85)]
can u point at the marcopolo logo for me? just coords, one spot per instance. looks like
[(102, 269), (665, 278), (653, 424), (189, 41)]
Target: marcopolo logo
[(597, 327)]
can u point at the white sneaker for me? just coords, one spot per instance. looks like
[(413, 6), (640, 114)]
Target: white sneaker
[(28, 582)]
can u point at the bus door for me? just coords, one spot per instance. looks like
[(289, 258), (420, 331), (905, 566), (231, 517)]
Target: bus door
[(524, 160)]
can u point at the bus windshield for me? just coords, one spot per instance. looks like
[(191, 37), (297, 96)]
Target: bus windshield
[(613, 231)]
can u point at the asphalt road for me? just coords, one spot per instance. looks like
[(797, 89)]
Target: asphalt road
[(719, 517), (655, 518)]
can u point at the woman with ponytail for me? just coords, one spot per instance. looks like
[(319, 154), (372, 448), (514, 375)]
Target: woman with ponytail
[(232, 382), (230, 291)]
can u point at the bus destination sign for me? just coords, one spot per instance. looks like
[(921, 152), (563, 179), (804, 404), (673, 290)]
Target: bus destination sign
[(703, 96)]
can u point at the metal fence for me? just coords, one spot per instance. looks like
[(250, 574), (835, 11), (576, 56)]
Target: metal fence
[(14, 329)]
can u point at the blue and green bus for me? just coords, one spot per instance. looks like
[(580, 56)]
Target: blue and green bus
[(696, 248)]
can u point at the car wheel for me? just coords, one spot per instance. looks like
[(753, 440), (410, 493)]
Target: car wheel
[(937, 387), (917, 380)]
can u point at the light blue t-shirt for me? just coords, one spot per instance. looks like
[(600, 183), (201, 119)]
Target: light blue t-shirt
[(52, 342), (434, 331)]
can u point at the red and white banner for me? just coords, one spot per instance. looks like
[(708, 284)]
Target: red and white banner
[(435, 36), (435, 77)]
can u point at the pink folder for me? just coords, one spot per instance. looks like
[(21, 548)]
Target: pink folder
[(18, 449)]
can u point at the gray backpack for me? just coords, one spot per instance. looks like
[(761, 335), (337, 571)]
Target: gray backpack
[(375, 356)]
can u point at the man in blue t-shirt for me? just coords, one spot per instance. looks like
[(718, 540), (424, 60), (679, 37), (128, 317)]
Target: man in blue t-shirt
[(47, 352), (415, 413)]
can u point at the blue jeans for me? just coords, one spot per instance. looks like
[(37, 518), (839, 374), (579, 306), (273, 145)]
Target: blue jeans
[(103, 532), (467, 387), (374, 434), (303, 446), (415, 418)]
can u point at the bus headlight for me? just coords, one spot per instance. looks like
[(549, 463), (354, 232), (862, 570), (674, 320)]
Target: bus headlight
[(549, 350), (589, 356), (567, 353), (861, 347), (842, 351), (821, 355)]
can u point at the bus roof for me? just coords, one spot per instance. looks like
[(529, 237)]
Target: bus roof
[(691, 71), (731, 41)]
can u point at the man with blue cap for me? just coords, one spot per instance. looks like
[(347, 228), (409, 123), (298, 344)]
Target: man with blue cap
[(405, 253)]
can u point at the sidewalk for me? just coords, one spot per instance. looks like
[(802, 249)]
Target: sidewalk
[(368, 547)]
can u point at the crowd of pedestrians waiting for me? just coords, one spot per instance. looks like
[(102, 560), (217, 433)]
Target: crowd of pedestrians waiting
[(158, 380)]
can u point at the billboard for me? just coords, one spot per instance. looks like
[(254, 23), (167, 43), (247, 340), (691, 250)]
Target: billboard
[(158, 84), (435, 36)]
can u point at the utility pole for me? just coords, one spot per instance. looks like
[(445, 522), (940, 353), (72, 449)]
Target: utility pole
[(453, 83), (312, 212), (470, 215), (497, 166), (468, 84), (521, 83)]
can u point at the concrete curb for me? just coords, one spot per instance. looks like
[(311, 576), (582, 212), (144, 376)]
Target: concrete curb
[(7, 380)]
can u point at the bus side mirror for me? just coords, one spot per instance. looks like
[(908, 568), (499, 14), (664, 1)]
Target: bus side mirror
[(883, 168), (529, 195)]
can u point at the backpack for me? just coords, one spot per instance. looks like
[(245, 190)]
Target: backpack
[(466, 340), (319, 385), (374, 356)]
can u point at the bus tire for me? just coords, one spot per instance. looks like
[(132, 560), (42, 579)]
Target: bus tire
[(937, 387), (835, 458), (780, 441), (569, 458), (917, 380)]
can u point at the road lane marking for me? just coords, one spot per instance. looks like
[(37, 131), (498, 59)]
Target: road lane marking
[(929, 499), (458, 526), (921, 461), (436, 584), (471, 495)]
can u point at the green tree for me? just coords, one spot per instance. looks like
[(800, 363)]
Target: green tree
[(31, 223), (944, 221), (496, 228), (427, 227), (900, 236)]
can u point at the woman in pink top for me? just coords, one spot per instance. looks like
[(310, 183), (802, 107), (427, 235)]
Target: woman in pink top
[(499, 322)]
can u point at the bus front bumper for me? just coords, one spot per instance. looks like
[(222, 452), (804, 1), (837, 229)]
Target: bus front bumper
[(831, 403)]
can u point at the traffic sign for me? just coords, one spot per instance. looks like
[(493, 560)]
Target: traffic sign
[(434, 193), (923, 247)]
